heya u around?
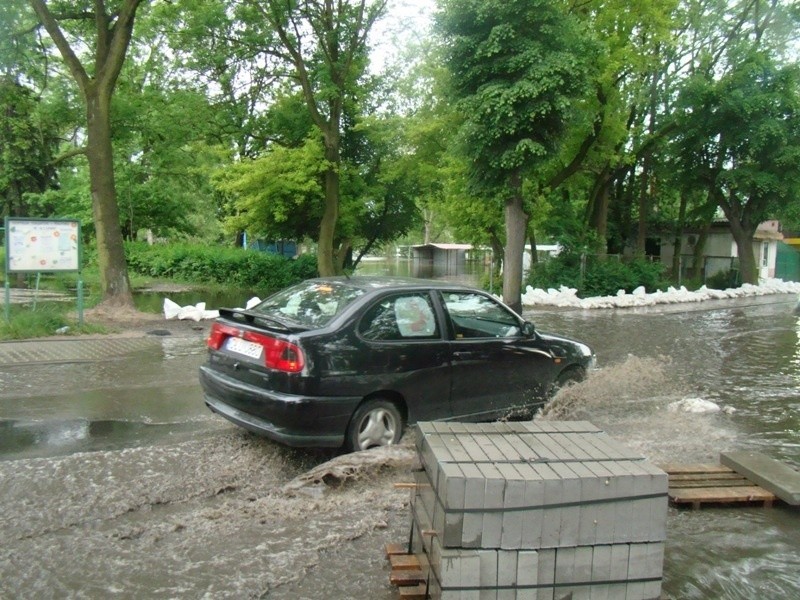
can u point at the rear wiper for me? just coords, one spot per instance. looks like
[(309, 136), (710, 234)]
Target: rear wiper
[(255, 318)]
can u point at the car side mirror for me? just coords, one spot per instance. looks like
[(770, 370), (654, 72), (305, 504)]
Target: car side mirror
[(528, 330)]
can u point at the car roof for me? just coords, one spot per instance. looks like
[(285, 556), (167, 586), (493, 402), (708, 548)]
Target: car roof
[(375, 282)]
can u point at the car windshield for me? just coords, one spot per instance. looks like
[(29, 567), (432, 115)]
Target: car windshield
[(311, 303)]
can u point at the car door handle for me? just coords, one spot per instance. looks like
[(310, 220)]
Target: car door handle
[(463, 354)]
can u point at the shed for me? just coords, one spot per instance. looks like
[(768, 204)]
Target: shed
[(436, 260)]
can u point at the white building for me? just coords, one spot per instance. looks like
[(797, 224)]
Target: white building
[(720, 251)]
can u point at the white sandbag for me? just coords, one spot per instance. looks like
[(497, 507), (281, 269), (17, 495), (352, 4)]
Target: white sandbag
[(171, 309)]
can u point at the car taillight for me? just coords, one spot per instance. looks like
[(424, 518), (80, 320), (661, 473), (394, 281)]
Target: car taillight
[(219, 333), (277, 354)]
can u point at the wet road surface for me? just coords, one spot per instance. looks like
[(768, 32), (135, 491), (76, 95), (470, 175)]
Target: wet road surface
[(116, 481)]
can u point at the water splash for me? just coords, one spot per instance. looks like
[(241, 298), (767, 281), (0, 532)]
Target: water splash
[(631, 400), (609, 388)]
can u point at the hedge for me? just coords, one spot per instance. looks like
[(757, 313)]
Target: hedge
[(247, 269), (598, 275)]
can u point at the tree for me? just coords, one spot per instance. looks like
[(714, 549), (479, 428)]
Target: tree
[(27, 144), (111, 27), (325, 45), (740, 137), (609, 163), (279, 195), (381, 184), (516, 67), (28, 135)]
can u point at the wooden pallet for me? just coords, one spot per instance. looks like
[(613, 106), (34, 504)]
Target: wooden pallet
[(698, 485), (406, 573)]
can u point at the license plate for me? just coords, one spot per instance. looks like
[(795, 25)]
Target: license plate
[(244, 347)]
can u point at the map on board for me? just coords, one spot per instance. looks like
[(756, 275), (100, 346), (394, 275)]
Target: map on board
[(39, 245)]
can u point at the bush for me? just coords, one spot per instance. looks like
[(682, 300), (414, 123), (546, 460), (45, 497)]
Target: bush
[(240, 268), (600, 276)]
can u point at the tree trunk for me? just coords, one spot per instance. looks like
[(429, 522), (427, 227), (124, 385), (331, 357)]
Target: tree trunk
[(112, 38), (644, 206), (427, 219), (742, 231), (110, 250), (497, 251), (747, 257), (598, 218), (678, 245), (327, 229), (646, 192), (534, 253), (516, 228), (699, 250), (344, 255)]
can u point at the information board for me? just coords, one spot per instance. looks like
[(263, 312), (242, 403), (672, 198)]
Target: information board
[(42, 245)]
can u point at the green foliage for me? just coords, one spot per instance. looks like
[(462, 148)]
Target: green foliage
[(516, 66), (278, 195), (25, 323), (27, 142), (240, 268), (597, 275), (740, 140)]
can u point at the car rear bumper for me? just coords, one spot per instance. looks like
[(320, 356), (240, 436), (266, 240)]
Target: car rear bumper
[(290, 419)]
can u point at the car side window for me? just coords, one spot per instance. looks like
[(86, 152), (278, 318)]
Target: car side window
[(478, 316), (407, 316)]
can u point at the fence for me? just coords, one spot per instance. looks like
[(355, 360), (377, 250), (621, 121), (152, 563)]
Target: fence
[(787, 263), (724, 268)]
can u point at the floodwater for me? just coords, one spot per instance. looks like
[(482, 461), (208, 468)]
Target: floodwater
[(115, 481)]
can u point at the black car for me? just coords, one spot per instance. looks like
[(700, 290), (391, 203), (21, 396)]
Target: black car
[(351, 361)]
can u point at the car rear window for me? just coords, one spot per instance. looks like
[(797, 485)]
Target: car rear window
[(400, 317), (311, 303)]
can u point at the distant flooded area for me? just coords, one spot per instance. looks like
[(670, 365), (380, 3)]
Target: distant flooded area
[(468, 270), (117, 481)]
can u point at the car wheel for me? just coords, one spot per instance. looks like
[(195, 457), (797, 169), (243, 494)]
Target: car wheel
[(375, 423), (567, 378)]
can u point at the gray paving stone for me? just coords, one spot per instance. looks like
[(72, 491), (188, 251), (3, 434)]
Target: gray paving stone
[(775, 476), (474, 491), (73, 350), (507, 574), (513, 500), (581, 509), (488, 574), (494, 491), (527, 574), (547, 574), (570, 493), (553, 492)]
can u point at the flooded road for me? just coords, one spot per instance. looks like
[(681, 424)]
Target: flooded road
[(116, 481)]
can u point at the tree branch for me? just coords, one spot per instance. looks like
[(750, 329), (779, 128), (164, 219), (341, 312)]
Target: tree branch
[(50, 24), (572, 168), (297, 60), (121, 34), (67, 155)]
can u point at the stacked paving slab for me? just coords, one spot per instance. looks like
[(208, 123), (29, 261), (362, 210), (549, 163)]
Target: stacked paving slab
[(536, 510)]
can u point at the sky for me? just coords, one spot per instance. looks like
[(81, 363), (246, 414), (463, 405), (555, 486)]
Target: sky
[(405, 20)]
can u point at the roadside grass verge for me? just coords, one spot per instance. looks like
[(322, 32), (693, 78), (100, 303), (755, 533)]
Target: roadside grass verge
[(46, 320)]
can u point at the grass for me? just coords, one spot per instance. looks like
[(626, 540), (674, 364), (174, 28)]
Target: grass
[(47, 319)]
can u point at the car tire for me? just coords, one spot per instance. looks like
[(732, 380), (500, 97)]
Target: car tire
[(375, 423), (566, 378)]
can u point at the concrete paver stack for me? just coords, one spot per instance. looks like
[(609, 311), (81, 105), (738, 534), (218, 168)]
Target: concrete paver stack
[(533, 510)]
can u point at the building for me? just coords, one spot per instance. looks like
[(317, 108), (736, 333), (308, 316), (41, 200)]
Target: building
[(438, 260), (720, 253)]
